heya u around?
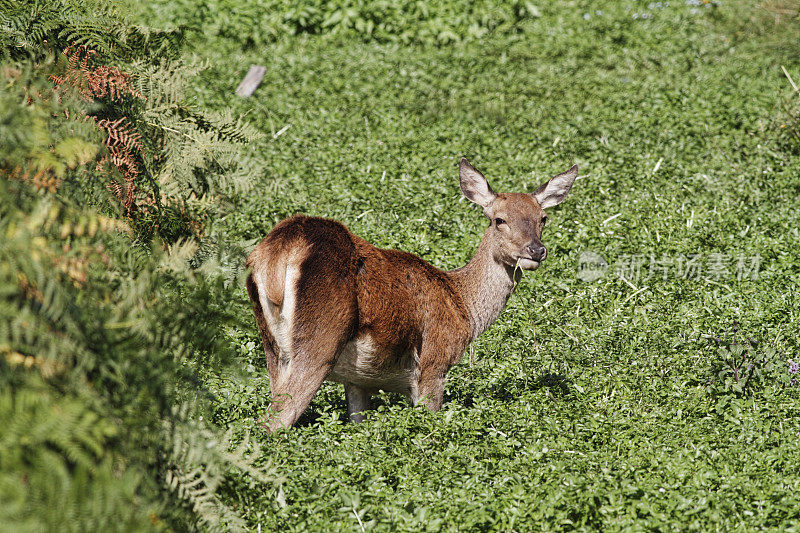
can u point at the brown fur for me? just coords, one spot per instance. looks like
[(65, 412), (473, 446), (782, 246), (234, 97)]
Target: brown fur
[(329, 305)]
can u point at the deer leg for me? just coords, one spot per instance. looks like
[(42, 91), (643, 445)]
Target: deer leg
[(438, 354), (358, 401), (430, 389), (301, 374), (293, 392), (272, 363)]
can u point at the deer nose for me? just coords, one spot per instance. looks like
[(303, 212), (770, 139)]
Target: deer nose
[(538, 252)]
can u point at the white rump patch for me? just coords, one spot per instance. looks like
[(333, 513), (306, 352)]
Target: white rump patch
[(280, 320)]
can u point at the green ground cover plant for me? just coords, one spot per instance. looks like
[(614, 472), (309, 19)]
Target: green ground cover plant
[(656, 391), (587, 405), (255, 24)]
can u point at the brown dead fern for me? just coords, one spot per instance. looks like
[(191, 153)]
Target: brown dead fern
[(42, 179), (95, 82), (122, 143)]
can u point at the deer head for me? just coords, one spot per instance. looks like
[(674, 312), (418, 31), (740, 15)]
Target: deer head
[(516, 219)]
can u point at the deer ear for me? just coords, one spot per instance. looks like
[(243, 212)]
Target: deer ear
[(474, 186), (556, 188)]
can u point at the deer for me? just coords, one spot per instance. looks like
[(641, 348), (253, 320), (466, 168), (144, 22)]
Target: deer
[(331, 306)]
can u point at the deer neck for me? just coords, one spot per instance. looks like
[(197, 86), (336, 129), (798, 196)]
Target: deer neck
[(484, 285)]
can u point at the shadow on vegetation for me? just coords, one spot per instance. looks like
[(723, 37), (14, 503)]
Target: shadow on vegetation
[(559, 386), (318, 408)]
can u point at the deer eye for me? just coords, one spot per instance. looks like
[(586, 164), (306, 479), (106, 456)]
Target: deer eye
[(499, 221), (544, 220)]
